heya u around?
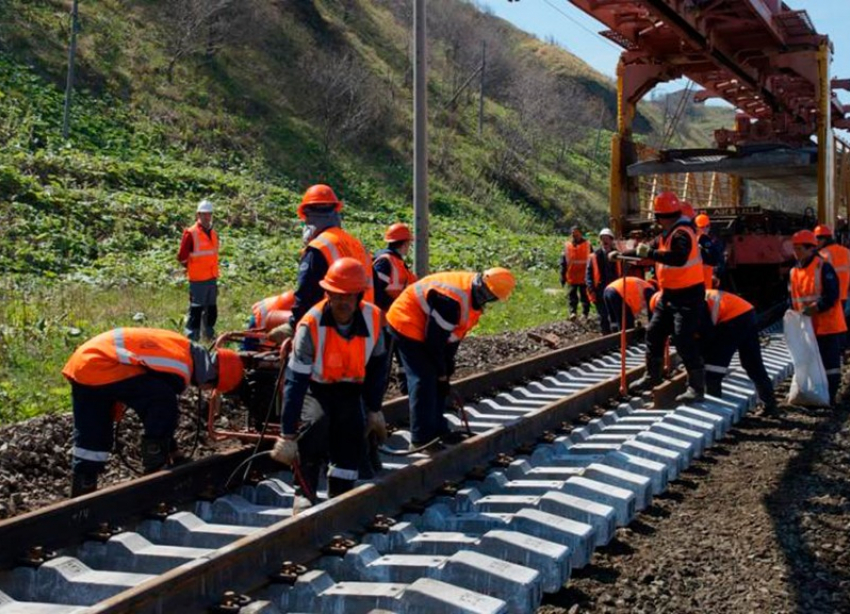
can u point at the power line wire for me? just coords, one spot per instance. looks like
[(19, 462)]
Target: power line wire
[(596, 35)]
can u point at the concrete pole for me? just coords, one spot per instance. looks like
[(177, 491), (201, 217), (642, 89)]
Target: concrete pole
[(69, 86), (481, 89), (420, 140)]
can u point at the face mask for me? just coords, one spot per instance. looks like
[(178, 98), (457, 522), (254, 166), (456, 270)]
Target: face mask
[(307, 233)]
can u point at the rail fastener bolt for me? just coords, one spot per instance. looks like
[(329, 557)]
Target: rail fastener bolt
[(231, 602), (380, 524), (36, 556), (339, 545), (104, 532), (288, 573), (162, 511)]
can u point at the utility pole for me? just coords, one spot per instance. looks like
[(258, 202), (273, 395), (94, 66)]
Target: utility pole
[(481, 89), (69, 86), (420, 140)]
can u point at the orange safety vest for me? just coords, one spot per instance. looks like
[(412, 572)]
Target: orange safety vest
[(806, 287), (839, 257), (725, 306), (576, 256), (203, 259), (123, 353), (677, 277), (335, 243), (337, 359), (653, 300), (635, 292), (409, 314), (400, 276), (261, 309)]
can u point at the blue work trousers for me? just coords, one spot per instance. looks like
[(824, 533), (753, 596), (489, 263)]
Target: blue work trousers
[(829, 347), (614, 309)]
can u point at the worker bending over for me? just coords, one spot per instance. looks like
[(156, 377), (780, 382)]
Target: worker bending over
[(600, 273), (637, 293), (145, 369), (573, 268), (814, 291), (334, 383), (731, 326), (428, 321)]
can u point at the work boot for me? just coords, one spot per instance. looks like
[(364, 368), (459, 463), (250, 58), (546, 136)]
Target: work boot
[(309, 473), (696, 388), (714, 387), (83, 484), (155, 453), (651, 378), (338, 486), (573, 317)]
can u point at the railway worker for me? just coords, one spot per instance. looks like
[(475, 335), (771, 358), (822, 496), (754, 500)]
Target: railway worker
[(637, 293), (428, 321), (600, 273), (731, 326), (266, 315), (336, 370), (573, 268), (814, 292), (838, 256), (145, 369), (710, 249), (326, 242), (198, 254), (678, 268), (688, 210), (640, 270)]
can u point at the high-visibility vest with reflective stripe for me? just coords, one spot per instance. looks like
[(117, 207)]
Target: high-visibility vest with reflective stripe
[(203, 259), (839, 257), (123, 353), (725, 306), (337, 359), (400, 276), (685, 276), (410, 312), (576, 256), (806, 287), (261, 309), (635, 293), (335, 243)]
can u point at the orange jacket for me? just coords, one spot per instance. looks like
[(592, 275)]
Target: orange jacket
[(123, 353), (806, 286), (576, 257), (839, 257), (338, 359), (335, 243), (636, 290), (725, 306), (409, 313), (677, 277), (400, 276), (203, 259), (261, 309)]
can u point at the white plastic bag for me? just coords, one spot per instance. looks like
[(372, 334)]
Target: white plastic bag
[(809, 386)]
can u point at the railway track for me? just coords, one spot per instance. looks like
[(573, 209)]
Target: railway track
[(484, 526)]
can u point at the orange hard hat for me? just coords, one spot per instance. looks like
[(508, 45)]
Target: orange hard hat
[(229, 370), (317, 195), (398, 232), (345, 276), (823, 231), (702, 221), (499, 281), (666, 203), (804, 237), (688, 210)]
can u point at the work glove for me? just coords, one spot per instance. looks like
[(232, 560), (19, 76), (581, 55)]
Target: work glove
[(613, 255), (285, 451), (810, 310), (643, 250), (375, 424), (444, 388), (280, 333)]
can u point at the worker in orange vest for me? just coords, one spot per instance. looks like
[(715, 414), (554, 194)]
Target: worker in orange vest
[(637, 292), (267, 314), (573, 268), (814, 291), (145, 369), (678, 268), (428, 321), (839, 257), (326, 242), (335, 372), (600, 273), (711, 250), (729, 326), (198, 253)]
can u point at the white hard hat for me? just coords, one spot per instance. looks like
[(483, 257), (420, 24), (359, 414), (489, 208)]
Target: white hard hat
[(606, 232), (205, 206)]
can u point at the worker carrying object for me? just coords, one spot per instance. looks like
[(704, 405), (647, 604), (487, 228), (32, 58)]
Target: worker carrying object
[(336, 370), (574, 261), (600, 273), (814, 291), (839, 257), (638, 293), (729, 326), (326, 242), (198, 253), (711, 250), (678, 268), (428, 321), (145, 369)]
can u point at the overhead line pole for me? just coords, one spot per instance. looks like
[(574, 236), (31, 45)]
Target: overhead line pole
[(481, 89), (69, 86), (420, 140)]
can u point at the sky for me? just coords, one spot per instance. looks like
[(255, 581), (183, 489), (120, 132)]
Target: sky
[(578, 33)]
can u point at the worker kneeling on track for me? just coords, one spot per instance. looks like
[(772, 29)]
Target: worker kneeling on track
[(731, 326), (678, 268), (145, 369), (427, 322), (813, 286), (637, 292), (336, 370)]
